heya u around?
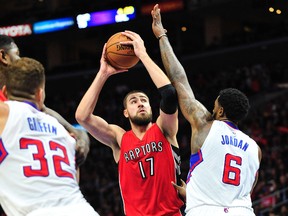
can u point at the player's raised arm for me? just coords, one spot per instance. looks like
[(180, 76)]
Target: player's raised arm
[(168, 118), (95, 125), (192, 109)]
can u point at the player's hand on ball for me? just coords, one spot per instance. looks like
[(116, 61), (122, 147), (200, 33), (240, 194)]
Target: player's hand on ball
[(136, 42), (106, 67), (120, 55)]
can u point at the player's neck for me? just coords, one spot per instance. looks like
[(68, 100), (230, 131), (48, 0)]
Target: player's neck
[(25, 100), (229, 122), (140, 130)]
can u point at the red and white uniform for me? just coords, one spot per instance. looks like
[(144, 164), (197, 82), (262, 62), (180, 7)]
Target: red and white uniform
[(222, 173), (37, 166), (146, 169)]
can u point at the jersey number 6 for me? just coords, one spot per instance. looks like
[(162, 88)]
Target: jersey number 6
[(231, 174)]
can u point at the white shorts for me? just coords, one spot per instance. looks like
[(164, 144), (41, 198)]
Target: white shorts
[(69, 210), (219, 211)]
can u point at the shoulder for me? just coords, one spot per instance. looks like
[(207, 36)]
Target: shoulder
[(4, 108), (118, 133), (156, 129)]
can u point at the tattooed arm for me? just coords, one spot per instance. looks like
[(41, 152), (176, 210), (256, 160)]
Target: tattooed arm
[(194, 112), (176, 72)]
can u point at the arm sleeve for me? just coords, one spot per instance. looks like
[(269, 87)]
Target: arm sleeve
[(169, 100)]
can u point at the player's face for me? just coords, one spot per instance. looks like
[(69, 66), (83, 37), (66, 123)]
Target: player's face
[(10, 55), (13, 53), (217, 110), (138, 109)]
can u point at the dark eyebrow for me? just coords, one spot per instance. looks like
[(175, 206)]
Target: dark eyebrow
[(132, 98), (141, 96)]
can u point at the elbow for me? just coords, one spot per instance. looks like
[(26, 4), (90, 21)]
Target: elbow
[(80, 117)]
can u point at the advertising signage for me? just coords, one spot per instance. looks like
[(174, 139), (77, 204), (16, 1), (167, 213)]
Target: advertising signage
[(16, 30), (105, 17), (86, 20), (53, 25)]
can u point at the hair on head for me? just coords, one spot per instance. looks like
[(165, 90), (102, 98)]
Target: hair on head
[(6, 41), (129, 93), (235, 104), (24, 77)]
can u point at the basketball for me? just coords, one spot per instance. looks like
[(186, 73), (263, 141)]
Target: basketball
[(118, 55)]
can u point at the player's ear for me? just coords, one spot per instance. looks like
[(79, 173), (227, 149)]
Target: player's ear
[(40, 96), (3, 57), (221, 112), (125, 113)]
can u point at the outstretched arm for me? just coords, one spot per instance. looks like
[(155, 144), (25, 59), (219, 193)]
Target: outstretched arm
[(192, 109), (82, 138), (168, 118), (107, 134)]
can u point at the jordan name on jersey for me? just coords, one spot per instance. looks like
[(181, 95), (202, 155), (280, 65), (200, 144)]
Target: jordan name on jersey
[(230, 140)]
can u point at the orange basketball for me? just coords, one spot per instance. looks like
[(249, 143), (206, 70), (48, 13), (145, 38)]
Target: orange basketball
[(118, 55)]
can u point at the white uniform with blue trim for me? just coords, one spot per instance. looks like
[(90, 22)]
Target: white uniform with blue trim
[(222, 173), (37, 166)]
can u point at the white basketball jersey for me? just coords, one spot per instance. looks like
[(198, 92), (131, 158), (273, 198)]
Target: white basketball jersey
[(222, 173), (37, 163)]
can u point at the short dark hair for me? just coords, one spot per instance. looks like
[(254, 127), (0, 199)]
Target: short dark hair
[(24, 77), (6, 42), (235, 104), (129, 93)]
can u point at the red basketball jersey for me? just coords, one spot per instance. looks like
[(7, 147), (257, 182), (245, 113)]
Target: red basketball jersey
[(2, 96), (146, 169)]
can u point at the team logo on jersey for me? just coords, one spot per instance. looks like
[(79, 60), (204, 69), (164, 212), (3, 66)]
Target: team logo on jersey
[(143, 150)]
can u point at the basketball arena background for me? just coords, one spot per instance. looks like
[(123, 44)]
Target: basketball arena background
[(221, 43)]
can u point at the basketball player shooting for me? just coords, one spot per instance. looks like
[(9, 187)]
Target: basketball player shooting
[(144, 154)]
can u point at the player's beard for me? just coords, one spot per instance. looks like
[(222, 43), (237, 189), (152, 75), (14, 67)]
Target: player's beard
[(142, 120)]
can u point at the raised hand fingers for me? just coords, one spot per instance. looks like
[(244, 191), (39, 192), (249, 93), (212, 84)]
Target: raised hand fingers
[(132, 35), (155, 11)]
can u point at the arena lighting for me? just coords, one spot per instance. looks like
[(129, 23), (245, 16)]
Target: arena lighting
[(278, 11), (166, 6), (271, 9), (16, 30), (53, 25), (124, 14)]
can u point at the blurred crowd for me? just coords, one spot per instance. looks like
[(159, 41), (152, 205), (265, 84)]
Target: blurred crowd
[(265, 85)]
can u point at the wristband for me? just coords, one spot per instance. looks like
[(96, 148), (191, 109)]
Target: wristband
[(160, 36), (169, 100)]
